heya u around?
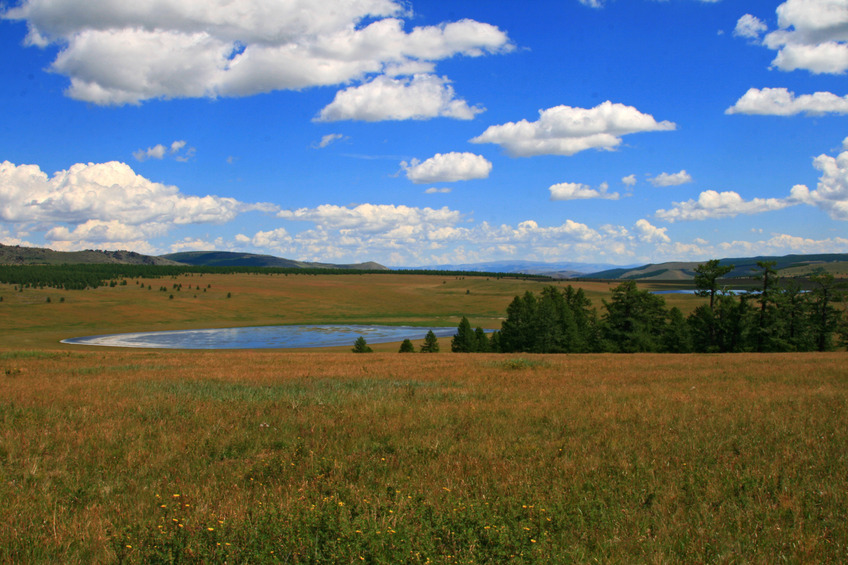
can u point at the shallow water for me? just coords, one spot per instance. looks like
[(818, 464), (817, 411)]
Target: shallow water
[(262, 337)]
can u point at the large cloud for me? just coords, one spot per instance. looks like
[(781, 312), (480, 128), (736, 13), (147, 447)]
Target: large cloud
[(104, 202), (421, 97), (713, 204), (812, 35), (409, 235), (650, 233), (831, 194), (118, 52), (448, 167), (564, 130), (373, 217), (782, 102)]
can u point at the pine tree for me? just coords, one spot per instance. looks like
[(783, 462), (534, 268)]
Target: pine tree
[(483, 345), (824, 317), (431, 344), (464, 340), (768, 321), (406, 347), (634, 321), (706, 278)]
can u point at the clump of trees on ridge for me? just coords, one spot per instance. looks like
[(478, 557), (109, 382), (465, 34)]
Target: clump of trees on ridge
[(776, 317)]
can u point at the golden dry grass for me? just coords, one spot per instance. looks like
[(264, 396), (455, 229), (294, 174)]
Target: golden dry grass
[(323, 457), (143, 456)]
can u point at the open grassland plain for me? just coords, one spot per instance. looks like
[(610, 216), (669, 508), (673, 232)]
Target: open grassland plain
[(193, 301), (134, 456)]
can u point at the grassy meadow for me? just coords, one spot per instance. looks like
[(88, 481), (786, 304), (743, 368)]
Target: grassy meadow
[(28, 320), (266, 456)]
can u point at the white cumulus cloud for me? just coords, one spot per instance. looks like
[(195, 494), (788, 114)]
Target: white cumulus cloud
[(447, 167), (159, 151), (671, 179), (812, 35), (116, 52), (105, 202), (372, 217), (421, 97), (564, 130), (578, 191), (629, 180), (782, 102), (650, 233), (831, 194), (410, 235), (728, 204), (750, 27)]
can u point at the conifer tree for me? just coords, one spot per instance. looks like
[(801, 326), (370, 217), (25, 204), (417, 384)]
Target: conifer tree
[(431, 343), (464, 340), (361, 346)]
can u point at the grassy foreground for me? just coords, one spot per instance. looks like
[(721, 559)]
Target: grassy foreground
[(264, 457)]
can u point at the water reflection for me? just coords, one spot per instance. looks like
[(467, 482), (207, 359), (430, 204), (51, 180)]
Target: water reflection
[(264, 337)]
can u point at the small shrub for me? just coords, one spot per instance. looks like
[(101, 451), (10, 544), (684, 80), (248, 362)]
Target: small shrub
[(361, 346)]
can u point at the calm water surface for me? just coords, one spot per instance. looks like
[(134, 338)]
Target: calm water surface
[(265, 337)]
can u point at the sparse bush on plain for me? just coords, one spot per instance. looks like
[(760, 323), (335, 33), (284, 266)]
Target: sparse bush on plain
[(361, 346)]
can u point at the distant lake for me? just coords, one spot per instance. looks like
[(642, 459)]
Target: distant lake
[(677, 291), (264, 337), (733, 291)]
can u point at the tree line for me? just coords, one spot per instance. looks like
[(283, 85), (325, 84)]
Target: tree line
[(778, 316), (92, 275)]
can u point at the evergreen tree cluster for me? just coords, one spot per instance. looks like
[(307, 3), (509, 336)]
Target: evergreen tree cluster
[(92, 275), (777, 317)]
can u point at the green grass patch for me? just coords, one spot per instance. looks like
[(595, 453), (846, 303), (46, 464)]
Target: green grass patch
[(518, 363)]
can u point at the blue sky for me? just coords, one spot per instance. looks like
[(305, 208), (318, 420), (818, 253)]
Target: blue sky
[(420, 133)]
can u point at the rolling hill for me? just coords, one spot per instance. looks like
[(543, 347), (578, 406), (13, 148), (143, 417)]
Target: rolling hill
[(564, 270), (17, 255), (788, 265), (231, 259)]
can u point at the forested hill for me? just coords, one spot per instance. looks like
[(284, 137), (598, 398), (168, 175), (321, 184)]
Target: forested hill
[(789, 265), (231, 259), (17, 255)]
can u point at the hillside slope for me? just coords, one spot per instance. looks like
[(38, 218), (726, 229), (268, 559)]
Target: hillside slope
[(17, 255), (232, 259), (789, 265)]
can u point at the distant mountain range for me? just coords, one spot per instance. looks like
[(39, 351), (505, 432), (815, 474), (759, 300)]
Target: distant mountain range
[(230, 259), (788, 265), (17, 255), (565, 270)]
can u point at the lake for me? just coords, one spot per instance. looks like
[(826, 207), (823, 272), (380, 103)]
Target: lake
[(262, 337)]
